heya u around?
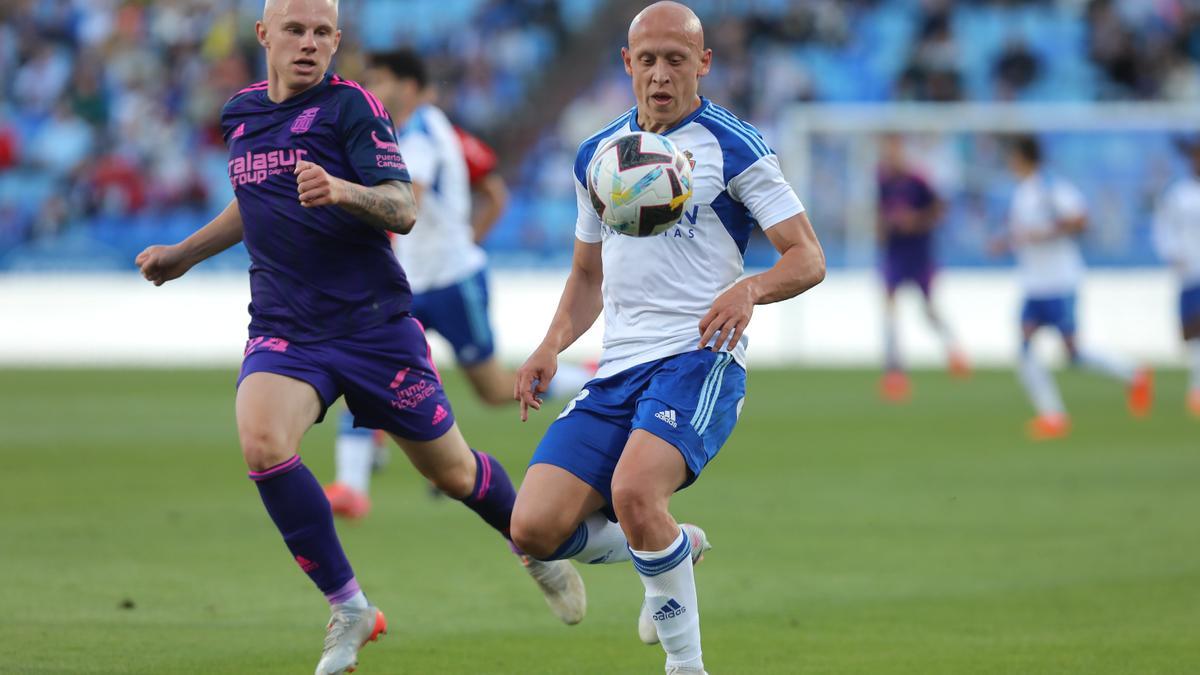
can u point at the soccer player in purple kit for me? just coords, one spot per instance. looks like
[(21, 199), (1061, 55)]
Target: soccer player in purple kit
[(909, 211), (318, 182)]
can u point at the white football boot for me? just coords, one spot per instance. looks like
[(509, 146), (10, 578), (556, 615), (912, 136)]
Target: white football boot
[(561, 584), (349, 629), (646, 630)]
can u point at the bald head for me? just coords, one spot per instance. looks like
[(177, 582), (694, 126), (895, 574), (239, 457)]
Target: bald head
[(665, 60), (300, 38), (280, 7), (671, 18)]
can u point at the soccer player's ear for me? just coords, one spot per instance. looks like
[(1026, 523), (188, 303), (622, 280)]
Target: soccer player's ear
[(260, 32), (628, 59)]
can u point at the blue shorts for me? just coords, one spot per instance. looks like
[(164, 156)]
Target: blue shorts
[(1058, 312), (1189, 306), (459, 313), (385, 373), (691, 400)]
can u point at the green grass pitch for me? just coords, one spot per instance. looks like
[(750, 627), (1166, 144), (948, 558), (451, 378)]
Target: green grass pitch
[(850, 537)]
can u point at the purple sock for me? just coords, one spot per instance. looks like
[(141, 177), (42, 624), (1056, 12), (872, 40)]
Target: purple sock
[(494, 495), (300, 510)]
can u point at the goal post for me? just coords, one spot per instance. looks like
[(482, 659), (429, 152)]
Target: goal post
[(1121, 155)]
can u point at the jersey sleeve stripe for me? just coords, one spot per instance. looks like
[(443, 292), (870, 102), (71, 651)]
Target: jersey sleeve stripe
[(741, 122), (756, 144), (254, 87), (754, 150), (376, 106)]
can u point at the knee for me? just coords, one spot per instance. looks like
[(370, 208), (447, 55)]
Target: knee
[(535, 534), (637, 508), (263, 448)]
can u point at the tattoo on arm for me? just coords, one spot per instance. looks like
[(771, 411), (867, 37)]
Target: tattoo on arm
[(388, 206)]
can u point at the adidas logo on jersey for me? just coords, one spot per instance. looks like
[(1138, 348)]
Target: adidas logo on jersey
[(669, 611), (668, 416)]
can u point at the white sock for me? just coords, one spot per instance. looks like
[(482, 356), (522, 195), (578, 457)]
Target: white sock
[(358, 600), (1039, 385), (1193, 346), (354, 453), (1106, 365), (891, 347), (606, 542), (568, 380), (671, 596)]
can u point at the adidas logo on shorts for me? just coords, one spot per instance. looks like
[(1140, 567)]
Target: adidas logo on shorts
[(668, 416), (669, 611)]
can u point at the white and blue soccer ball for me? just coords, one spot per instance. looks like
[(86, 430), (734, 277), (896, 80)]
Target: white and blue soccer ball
[(639, 183)]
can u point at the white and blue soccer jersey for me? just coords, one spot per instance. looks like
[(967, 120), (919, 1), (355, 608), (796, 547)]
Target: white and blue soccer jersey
[(1052, 268), (440, 251), (656, 289), (1177, 229)]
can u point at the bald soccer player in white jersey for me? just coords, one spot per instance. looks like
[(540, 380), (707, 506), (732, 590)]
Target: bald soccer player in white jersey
[(446, 267), (672, 374), (1045, 219), (1177, 239)]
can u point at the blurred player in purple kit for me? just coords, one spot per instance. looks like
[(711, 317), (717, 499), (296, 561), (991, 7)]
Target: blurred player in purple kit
[(909, 211), (319, 182)]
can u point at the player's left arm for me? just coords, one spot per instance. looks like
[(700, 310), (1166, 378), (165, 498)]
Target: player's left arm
[(390, 205), (801, 266)]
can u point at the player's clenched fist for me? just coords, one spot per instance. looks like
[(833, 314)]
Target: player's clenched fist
[(316, 186), (161, 264)]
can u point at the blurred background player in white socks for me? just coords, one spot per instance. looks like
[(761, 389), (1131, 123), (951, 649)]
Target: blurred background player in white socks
[(446, 266), (1045, 219), (1177, 239)]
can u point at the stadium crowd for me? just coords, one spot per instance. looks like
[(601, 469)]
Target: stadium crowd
[(107, 122)]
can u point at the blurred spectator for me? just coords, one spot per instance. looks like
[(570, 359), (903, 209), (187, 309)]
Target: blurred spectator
[(40, 81), (61, 144), (115, 102), (932, 70), (1112, 47), (8, 146), (1015, 69)]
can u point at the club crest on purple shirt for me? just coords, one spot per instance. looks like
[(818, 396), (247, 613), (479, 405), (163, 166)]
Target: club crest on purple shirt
[(304, 121)]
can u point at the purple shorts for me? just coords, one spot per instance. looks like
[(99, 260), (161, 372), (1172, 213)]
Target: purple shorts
[(897, 270), (386, 374)]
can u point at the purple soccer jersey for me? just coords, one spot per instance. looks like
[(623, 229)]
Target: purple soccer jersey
[(906, 256), (315, 273)]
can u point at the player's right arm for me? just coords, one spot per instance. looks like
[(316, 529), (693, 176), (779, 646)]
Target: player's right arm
[(160, 264), (578, 308)]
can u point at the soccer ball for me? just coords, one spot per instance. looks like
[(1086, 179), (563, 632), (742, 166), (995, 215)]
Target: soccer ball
[(639, 183)]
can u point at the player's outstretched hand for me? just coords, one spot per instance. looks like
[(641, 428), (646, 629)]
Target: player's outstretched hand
[(316, 186), (160, 264), (533, 379), (728, 318)]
